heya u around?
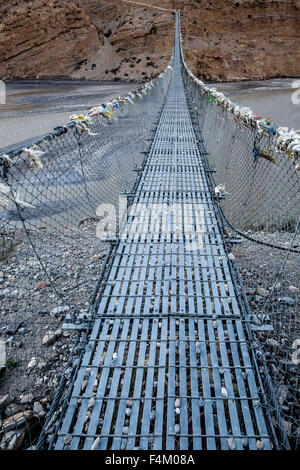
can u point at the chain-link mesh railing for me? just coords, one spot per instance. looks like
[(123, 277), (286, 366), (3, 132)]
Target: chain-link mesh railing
[(55, 196), (253, 168)]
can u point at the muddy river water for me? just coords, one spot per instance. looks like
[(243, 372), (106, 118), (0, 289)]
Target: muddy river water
[(33, 108)]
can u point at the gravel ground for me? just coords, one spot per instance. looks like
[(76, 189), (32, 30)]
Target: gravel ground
[(260, 267), (35, 107), (37, 349)]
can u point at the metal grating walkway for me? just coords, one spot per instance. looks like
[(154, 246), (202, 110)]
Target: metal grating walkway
[(167, 365)]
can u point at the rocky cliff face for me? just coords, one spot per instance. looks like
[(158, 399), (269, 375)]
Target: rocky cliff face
[(236, 40), (104, 39)]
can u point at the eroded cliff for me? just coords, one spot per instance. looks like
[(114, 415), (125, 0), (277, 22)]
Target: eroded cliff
[(104, 39)]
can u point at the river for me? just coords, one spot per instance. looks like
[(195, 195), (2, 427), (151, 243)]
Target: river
[(33, 108), (271, 99)]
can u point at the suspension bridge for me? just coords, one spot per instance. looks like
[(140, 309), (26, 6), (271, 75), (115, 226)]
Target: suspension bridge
[(167, 364), (169, 359)]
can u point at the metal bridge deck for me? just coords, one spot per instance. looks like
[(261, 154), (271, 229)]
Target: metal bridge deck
[(167, 364)]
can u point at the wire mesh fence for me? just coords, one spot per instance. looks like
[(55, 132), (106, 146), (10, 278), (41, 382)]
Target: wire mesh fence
[(55, 197), (257, 186)]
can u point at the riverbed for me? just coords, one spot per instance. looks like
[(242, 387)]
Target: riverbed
[(34, 108), (271, 99)]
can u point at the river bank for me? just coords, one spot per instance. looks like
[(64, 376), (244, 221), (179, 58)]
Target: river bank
[(271, 99), (34, 108)]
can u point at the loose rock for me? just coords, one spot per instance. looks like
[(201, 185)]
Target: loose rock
[(2, 355), (262, 292), (177, 429), (4, 400), (49, 339), (16, 421), (287, 300), (231, 443), (32, 363), (26, 398), (38, 409)]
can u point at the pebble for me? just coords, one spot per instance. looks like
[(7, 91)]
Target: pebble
[(5, 439), (67, 440), (95, 444), (2, 355), (293, 289), (84, 385), (38, 409), (224, 392), (152, 415), (49, 339), (262, 292), (4, 400), (125, 430), (91, 403), (249, 291), (287, 426), (245, 443), (16, 420), (32, 363), (177, 429), (259, 445), (177, 403), (128, 412), (231, 443), (59, 310), (272, 342), (41, 285), (129, 403), (12, 409), (16, 441), (287, 300), (26, 398), (123, 444)]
